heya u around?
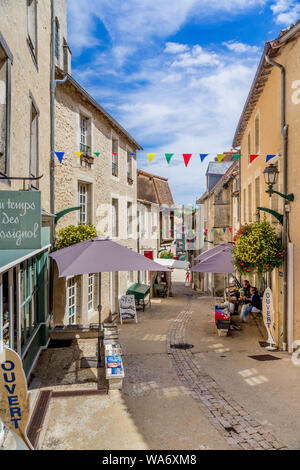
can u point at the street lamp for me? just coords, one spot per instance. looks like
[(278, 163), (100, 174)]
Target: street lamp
[(271, 176)]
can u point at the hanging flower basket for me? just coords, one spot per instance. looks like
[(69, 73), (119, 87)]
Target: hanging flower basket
[(257, 249)]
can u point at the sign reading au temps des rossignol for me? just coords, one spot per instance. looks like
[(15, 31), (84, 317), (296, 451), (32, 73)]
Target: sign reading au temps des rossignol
[(20, 220)]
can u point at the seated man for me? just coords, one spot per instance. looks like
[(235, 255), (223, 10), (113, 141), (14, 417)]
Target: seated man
[(253, 304), (245, 294)]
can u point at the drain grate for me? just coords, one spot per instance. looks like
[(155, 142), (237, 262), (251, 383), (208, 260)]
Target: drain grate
[(265, 357), (60, 343), (182, 346)]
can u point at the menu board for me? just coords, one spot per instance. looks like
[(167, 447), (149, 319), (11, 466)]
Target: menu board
[(127, 308)]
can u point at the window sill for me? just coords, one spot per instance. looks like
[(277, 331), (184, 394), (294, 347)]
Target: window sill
[(115, 178)]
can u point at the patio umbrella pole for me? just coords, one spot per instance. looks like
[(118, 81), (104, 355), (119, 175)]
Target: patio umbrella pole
[(99, 328)]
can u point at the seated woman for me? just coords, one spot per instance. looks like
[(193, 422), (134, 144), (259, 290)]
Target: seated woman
[(253, 304)]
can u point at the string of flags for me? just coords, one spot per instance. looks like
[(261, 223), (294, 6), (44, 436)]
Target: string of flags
[(220, 157), (192, 231), (60, 155), (186, 156)]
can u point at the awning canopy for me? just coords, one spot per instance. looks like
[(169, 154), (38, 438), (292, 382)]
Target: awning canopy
[(218, 262), (101, 255), (173, 263), (213, 251)]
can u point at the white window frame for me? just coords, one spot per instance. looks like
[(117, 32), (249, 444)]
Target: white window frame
[(71, 296), (129, 214), (83, 215), (91, 292), (115, 158), (115, 233)]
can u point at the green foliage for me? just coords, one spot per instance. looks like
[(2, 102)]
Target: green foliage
[(166, 255), (257, 249), (74, 234)]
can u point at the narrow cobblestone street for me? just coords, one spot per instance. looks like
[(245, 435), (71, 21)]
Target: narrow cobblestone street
[(213, 396)]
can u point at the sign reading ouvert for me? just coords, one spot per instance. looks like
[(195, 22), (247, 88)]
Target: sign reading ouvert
[(14, 404), (20, 220)]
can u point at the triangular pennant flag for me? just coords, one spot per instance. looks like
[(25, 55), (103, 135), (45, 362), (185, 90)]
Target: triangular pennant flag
[(186, 158), (220, 157), (97, 154), (169, 156), (224, 229), (78, 154), (114, 153), (269, 157), (206, 230), (203, 156), (150, 156), (212, 229), (218, 230), (253, 157), (132, 154), (230, 229), (236, 157), (60, 156)]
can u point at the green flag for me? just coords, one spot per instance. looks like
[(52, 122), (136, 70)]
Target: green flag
[(97, 154), (236, 157), (169, 156)]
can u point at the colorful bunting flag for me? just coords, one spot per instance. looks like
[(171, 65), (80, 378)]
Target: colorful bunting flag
[(268, 157), (230, 229), (186, 158), (236, 157), (78, 154), (220, 157), (203, 156), (150, 156), (206, 230), (218, 230), (224, 229), (212, 229), (60, 156), (253, 157), (97, 154), (169, 156)]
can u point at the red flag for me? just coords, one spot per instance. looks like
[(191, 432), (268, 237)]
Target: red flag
[(186, 158), (253, 157), (230, 229)]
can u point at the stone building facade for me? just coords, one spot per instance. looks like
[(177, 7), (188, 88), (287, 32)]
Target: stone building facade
[(101, 179), (220, 208), (26, 42), (260, 131)]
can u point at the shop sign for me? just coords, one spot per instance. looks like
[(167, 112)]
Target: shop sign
[(14, 403), (127, 308), (20, 220), (269, 314)]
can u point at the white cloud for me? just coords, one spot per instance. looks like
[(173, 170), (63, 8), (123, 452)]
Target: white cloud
[(175, 48), (174, 97), (240, 47), (286, 11), (194, 57)]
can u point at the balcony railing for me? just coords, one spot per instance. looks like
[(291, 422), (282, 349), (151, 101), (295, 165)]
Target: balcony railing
[(85, 149)]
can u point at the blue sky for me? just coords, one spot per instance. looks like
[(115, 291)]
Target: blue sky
[(174, 73)]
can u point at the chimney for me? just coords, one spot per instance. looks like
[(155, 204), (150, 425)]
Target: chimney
[(67, 58)]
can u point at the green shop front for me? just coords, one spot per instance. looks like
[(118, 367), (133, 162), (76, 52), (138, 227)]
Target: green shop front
[(24, 275)]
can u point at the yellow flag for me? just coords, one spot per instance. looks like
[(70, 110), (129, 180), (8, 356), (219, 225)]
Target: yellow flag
[(150, 156), (220, 157), (78, 154), (218, 230)]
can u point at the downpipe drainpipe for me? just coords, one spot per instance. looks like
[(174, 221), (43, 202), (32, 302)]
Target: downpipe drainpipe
[(284, 131), (53, 84)]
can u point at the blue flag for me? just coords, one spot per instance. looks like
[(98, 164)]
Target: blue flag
[(60, 156), (269, 157), (203, 155)]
